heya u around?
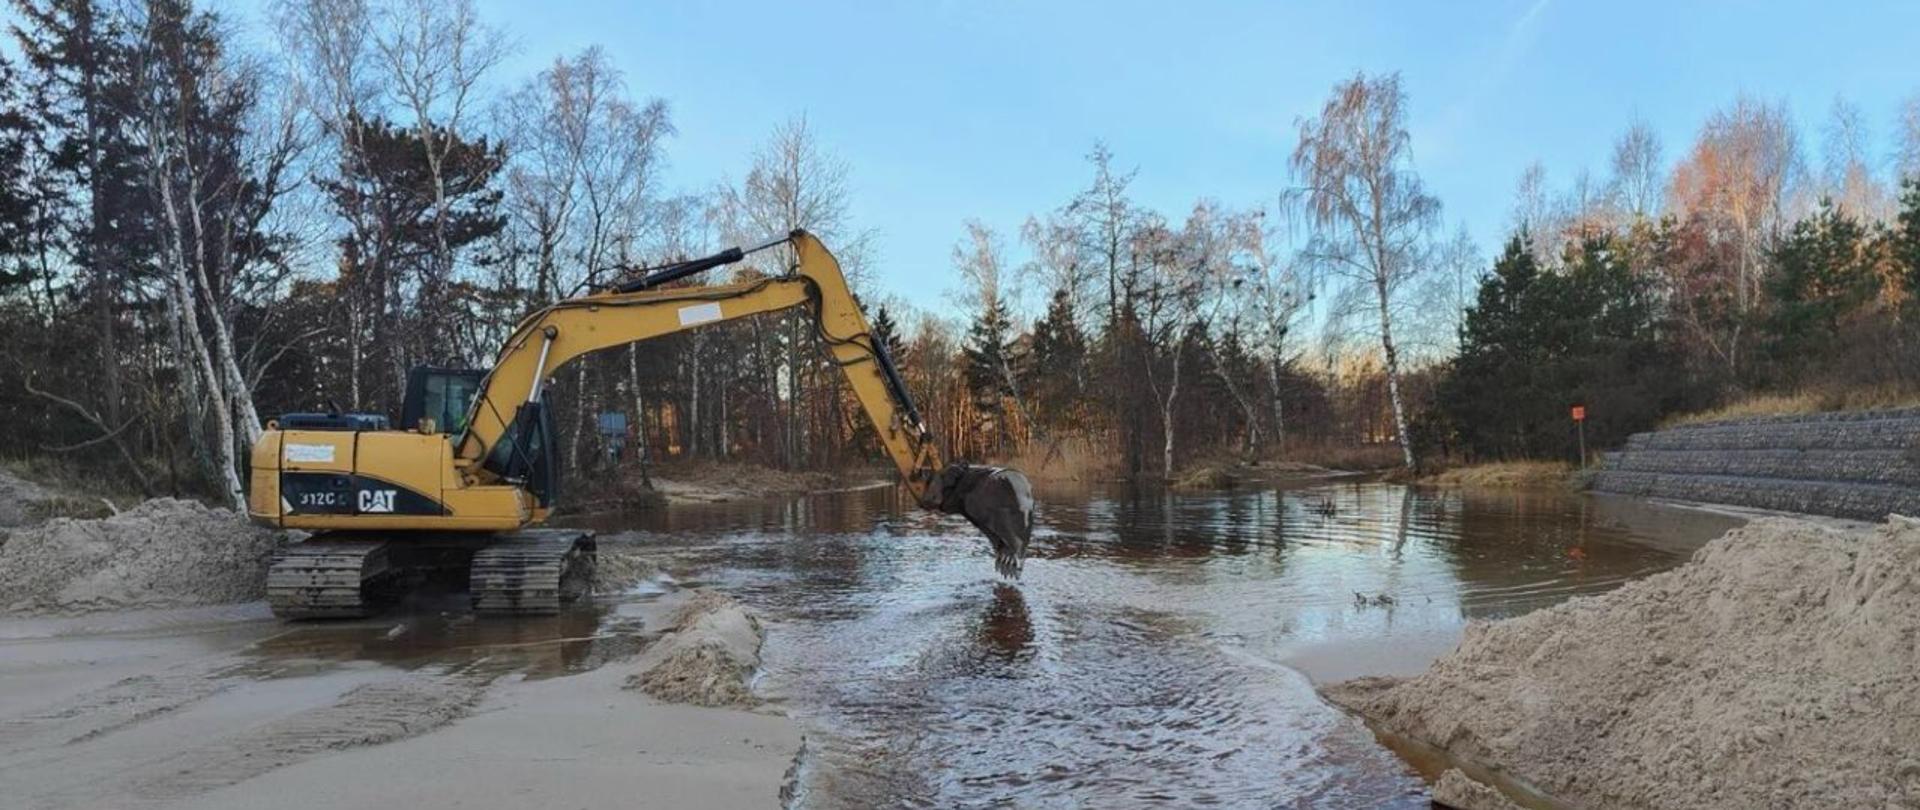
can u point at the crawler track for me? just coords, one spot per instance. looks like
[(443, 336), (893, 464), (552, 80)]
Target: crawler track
[(533, 571), (327, 578), (340, 576)]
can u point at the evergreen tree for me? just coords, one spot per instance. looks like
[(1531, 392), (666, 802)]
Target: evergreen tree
[(18, 139), (1055, 371), (1536, 343), (987, 352), (1822, 272), (1905, 237), (886, 334), (83, 63)]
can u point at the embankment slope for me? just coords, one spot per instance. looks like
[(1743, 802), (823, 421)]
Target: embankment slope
[(1863, 465)]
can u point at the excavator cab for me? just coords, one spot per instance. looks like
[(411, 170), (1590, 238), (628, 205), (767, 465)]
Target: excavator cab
[(443, 395), (524, 454)]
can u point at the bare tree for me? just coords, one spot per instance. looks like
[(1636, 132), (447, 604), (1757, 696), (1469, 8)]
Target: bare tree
[(793, 183), (1846, 170), (1282, 287), (1907, 139), (1107, 219), (581, 191), (435, 53), (331, 47), (1637, 173), (1738, 179), (1371, 213)]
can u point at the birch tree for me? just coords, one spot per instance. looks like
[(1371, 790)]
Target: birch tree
[(1370, 211)]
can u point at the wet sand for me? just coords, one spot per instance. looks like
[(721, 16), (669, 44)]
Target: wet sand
[(228, 707)]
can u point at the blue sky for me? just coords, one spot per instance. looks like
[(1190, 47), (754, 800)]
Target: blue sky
[(950, 110), (986, 109)]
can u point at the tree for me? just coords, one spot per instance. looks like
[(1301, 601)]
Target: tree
[(81, 58), (1055, 368), (1905, 237), (1538, 341), (793, 183), (1822, 272), (1736, 183), (1637, 172), (213, 186), (387, 179), (1371, 213), (1846, 176)]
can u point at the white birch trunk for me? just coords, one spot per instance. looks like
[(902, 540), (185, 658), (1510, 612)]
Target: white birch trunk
[(1393, 375)]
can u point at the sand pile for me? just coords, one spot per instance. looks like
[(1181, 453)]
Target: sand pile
[(162, 553), (18, 499), (1457, 790), (707, 656), (617, 570), (1779, 668)]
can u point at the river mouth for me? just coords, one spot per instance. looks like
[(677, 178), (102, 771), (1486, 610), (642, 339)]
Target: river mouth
[(1161, 647)]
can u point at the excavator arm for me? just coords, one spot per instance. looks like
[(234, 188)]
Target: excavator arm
[(636, 311)]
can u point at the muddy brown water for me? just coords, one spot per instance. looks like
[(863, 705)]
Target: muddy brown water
[(1161, 647)]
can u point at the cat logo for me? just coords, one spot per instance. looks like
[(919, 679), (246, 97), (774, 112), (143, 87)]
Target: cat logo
[(376, 500)]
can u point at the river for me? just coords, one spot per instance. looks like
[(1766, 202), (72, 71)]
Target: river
[(1161, 647)]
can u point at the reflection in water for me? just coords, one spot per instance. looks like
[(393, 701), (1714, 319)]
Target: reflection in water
[(1005, 630), (535, 646), (1154, 650)]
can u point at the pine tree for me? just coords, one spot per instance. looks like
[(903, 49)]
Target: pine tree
[(1822, 272), (987, 353), (886, 334), (83, 62), (1906, 238), (1055, 371)]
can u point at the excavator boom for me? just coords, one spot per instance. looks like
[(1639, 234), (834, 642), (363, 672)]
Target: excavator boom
[(640, 310)]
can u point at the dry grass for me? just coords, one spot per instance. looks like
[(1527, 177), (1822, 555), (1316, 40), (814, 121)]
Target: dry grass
[(1506, 475), (1074, 457), (1801, 402), (1355, 458), (75, 490)]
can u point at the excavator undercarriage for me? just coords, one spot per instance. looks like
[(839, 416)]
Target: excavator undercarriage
[(352, 574)]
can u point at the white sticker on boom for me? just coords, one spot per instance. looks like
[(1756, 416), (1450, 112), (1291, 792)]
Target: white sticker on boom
[(699, 313), (310, 453)]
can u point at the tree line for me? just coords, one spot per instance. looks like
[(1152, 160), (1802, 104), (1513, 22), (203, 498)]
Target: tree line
[(195, 235)]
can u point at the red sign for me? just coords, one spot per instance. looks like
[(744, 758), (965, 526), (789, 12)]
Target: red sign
[(1579, 413)]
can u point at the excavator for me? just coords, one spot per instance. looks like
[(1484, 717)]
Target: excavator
[(464, 481)]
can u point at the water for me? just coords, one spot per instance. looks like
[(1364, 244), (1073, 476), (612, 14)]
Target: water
[(1161, 648)]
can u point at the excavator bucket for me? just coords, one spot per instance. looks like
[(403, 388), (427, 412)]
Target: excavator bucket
[(996, 500)]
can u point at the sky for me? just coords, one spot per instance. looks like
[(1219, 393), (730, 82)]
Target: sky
[(947, 111)]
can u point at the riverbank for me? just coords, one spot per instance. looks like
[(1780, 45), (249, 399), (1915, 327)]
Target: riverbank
[(1776, 669), (139, 669), (228, 708), (1505, 475)]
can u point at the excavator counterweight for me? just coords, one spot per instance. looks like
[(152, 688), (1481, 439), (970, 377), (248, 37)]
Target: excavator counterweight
[(456, 486)]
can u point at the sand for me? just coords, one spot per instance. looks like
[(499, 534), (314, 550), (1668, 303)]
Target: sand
[(245, 712), (1457, 790), (707, 657), (18, 498), (162, 553), (1778, 668), (618, 570)]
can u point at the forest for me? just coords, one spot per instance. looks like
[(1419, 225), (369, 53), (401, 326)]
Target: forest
[(196, 235)]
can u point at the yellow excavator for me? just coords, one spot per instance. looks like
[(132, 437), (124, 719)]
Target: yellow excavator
[(470, 469)]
